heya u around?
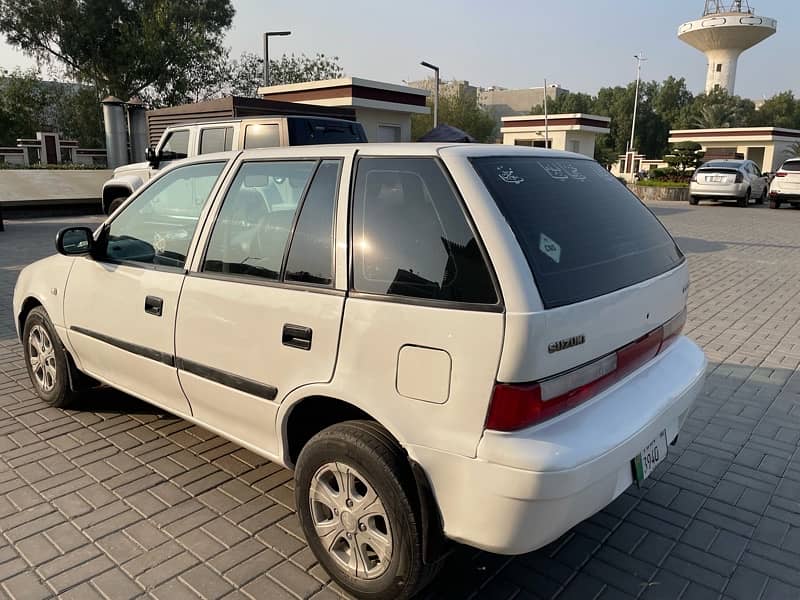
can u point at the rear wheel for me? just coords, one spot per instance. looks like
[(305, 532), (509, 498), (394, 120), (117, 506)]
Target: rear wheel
[(356, 499), (762, 197), (774, 204), (744, 200), (46, 360), (693, 200)]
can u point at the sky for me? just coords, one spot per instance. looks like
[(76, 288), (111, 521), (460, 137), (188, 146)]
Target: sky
[(582, 45)]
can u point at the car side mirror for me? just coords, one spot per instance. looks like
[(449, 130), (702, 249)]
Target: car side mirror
[(152, 157), (75, 241)]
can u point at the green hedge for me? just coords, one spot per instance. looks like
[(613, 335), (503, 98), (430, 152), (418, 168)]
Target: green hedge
[(662, 183)]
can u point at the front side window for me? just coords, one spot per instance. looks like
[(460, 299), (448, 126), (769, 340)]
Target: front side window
[(176, 146), (254, 223), (216, 139), (158, 226), (262, 136), (411, 237)]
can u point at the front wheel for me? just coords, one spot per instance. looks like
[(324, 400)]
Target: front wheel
[(115, 204), (46, 360), (355, 498)]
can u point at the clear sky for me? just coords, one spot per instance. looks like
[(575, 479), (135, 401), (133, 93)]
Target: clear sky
[(582, 44)]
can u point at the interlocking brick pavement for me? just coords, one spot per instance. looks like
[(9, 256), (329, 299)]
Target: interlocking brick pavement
[(120, 500)]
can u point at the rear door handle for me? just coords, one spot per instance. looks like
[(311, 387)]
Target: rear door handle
[(153, 305), (297, 336)]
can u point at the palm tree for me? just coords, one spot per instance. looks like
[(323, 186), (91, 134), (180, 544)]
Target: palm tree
[(715, 116), (793, 151)]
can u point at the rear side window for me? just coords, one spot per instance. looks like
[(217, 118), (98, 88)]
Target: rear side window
[(307, 131), (262, 136), (582, 232), (411, 237), (792, 165), (217, 139)]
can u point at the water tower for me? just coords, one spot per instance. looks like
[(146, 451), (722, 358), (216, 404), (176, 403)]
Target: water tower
[(727, 28)]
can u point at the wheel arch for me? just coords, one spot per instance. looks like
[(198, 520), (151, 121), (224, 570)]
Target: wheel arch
[(26, 307)]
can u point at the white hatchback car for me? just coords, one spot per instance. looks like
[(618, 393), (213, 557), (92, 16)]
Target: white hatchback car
[(475, 343)]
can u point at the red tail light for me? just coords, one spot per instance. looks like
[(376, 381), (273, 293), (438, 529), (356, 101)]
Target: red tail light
[(781, 174), (516, 406)]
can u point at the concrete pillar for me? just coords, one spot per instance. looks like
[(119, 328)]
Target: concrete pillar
[(116, 133), (137, 126)]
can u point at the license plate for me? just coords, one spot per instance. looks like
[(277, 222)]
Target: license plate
[(649, 458), (714, 179)]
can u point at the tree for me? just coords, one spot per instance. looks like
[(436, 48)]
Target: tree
[(718, 109), (793, 151), (246, 74), (685, 156), (459, 110), (122, 47), (782, 110), (566, 103)]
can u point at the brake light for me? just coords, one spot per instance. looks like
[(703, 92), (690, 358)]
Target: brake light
[(694, 177), (516, 406), (739, 178), (781, 174)]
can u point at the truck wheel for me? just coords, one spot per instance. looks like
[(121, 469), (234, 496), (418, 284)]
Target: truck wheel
[(356, 499), (46, 360), (115, 204)]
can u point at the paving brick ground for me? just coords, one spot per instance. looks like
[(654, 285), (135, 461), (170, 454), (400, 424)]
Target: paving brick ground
[(120, 500)]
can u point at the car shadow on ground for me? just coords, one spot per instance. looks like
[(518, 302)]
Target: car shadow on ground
[(697, 245)]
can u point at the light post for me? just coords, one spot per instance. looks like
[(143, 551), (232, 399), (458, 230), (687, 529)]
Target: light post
[(639, 60), (267, 35), (435, 92)]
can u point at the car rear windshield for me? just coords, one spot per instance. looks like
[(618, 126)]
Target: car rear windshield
[(725, 166), (792, 165), (305, 131), (582, 232)]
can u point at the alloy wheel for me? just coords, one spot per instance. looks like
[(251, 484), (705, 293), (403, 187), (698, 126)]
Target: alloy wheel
[(42, 356)]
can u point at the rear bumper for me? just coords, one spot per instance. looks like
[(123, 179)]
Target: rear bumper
[(719, 192), (785, 195), (527, 488)]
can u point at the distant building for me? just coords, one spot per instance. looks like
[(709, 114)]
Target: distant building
[(502, 102), (575, 132), (446, 88), (768, 147)]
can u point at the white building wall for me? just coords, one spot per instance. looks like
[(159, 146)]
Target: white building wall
[(373, 119)]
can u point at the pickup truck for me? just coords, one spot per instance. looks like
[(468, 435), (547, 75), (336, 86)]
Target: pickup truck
[(186, 141)]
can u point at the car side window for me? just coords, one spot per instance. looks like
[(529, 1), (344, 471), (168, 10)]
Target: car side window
[(176, 146), (311, 254), (157, 227), (411, 237), (262, 136), (253, 226), (216, 139)]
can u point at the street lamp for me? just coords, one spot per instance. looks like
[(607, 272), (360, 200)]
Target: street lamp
[(435, 92), (267, 35), (639, 60)]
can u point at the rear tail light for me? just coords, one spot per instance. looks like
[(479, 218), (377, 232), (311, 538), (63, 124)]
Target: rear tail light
[(781, 174), (694, 177), (516, 406), (739, 178)]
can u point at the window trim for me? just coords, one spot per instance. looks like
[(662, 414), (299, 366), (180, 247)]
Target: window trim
[(253, 279), (201, 219), (497, 307)]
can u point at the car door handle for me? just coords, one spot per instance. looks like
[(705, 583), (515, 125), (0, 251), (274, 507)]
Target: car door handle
[(153, 305), (297, 336)]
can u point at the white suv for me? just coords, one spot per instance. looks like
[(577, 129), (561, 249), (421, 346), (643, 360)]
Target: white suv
[(786, 185), (446, 342)]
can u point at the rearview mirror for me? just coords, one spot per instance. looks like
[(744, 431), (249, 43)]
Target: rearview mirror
[(75, 241)]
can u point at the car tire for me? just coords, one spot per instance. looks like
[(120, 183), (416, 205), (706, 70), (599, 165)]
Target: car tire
[(115, 204), (694, 201), (762, 197), (774, 204), (745, 200), (46, 360), (375, 554)]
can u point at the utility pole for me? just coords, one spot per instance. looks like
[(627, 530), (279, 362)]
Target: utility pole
[(639, 60), (546, 129), (435, 92)]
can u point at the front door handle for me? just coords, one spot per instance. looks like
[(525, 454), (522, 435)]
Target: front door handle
[(297, 336), (153, 305)]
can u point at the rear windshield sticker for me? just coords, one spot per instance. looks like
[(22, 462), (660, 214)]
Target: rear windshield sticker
[(550, 248), (562, 171), (508, 176)]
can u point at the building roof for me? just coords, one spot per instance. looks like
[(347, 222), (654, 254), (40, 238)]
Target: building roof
[(747, 133)]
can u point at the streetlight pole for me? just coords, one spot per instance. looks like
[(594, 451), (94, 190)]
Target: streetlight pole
[(546, 129), (267, 35), (435, 92), (639, 60)]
